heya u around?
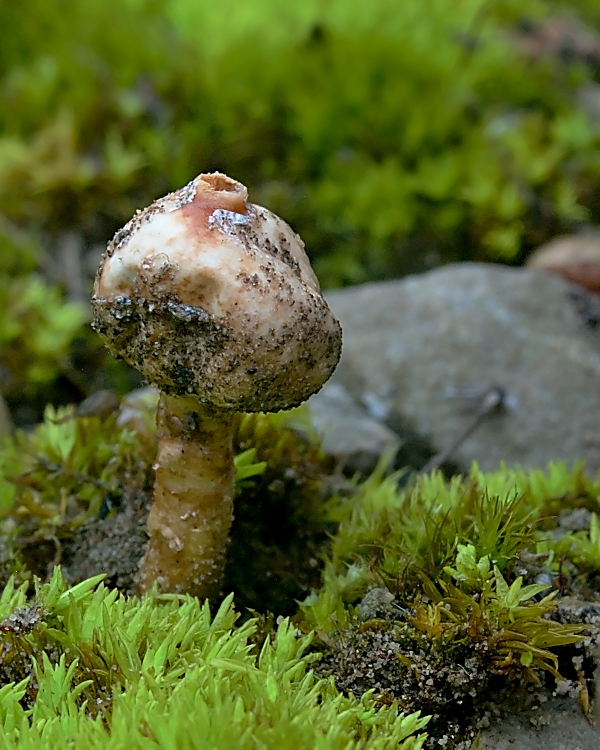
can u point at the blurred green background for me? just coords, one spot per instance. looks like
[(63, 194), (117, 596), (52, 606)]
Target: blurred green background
[(392, 135)]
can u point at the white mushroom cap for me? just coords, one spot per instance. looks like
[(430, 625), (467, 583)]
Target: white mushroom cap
[(210, 295)]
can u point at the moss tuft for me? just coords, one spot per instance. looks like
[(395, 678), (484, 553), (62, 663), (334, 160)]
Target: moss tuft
[(88, 666), (424, 597)]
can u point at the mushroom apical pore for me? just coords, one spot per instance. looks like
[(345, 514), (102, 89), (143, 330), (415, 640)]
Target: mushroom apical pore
[(213, 299)]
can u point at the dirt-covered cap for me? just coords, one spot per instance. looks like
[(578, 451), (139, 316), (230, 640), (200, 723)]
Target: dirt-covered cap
[(207, 294)]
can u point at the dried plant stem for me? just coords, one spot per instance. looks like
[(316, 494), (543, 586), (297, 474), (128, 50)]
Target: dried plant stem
[(493, 400), (192, 512)]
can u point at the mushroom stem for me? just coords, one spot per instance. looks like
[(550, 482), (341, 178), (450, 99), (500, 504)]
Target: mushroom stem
[(192, 512)]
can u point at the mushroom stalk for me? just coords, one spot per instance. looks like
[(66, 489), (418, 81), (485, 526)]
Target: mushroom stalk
[(191, 516)]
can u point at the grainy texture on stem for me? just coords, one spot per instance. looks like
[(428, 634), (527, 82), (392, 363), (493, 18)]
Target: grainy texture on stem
[(191, 516)]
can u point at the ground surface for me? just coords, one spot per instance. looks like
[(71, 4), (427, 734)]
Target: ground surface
[(558, 725)]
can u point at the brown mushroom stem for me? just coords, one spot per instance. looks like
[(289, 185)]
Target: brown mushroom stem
[(192, 512)]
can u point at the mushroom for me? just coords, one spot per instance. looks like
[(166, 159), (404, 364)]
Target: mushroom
[(214, 300)]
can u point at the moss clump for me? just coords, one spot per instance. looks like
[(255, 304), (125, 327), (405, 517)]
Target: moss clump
[(424, 597), (450, 655), (63, 478), (77, 489), (37, 327), (324, 111), (87, 666), (439, 597), (279, 533)]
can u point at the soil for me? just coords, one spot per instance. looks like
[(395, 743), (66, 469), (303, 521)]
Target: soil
[(557, 724)]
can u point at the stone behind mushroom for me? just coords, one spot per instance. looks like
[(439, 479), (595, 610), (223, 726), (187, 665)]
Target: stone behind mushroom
[(420, 351), (347, 431)]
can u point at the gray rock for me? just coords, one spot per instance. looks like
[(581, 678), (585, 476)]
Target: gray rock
[(377, 602), (420, 353), (347, 431), (557, 725)]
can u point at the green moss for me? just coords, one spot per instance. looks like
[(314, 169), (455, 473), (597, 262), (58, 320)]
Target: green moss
[(58, 480), (63, 471), (87, 666), (78, 487), (427, 600), (429, 530), (425, 597), (377, 132), (36, 330)]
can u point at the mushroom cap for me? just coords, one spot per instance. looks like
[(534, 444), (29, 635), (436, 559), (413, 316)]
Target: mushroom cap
[(207, 294)]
